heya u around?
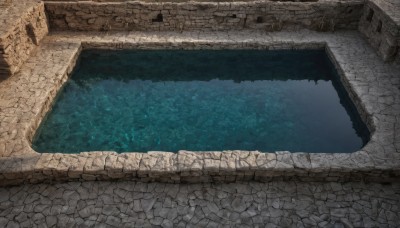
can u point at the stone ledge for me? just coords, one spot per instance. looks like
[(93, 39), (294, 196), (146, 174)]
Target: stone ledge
[(372, 85), (193, 167)]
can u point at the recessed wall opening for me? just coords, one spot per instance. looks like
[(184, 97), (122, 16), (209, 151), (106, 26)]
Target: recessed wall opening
[(370, 15), (31, 34), (260, 19), (159, 18), (379, 27)]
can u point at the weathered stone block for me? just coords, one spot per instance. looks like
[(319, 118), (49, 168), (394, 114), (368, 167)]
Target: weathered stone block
[(23, 26), (381, 27)]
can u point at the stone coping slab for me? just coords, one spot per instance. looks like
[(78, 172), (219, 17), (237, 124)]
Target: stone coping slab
[(373, 86)]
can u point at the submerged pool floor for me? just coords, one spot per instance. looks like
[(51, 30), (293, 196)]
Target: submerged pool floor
[(202, 100)]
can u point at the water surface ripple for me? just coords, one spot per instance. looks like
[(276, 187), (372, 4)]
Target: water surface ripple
[(203, 100)]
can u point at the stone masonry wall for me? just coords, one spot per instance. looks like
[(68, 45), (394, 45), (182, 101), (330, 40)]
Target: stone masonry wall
[(4, 4), (381, 27), (23, 25), (188, 167), (265, 15)]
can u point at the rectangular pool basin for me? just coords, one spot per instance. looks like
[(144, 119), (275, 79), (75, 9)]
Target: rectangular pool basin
[(202, 100)]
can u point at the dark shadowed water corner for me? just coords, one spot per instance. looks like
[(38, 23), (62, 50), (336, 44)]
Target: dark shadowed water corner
[(202, 100)]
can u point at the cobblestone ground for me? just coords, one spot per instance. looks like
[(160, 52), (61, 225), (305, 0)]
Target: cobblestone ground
[(131, 204)]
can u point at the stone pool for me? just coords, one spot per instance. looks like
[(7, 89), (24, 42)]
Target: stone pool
[(360, 37), (203, 100), (36, 87)]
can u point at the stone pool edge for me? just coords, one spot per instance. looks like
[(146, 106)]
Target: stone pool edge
[(25, 165)]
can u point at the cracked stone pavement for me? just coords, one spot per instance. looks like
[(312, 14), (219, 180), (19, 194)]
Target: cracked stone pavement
[(244, 204)]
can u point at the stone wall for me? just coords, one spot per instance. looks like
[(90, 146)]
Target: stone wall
[(4, 4), (190, 167), (23, 25), (265, 15), (380, 23)]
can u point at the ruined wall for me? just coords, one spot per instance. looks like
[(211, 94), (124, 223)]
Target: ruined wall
[(23, 25), (140, 16), (381, 27)]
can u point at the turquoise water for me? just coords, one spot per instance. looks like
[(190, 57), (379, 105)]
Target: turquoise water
[(202, 100)]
